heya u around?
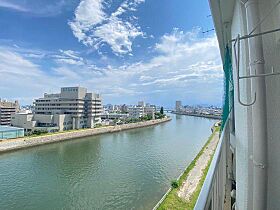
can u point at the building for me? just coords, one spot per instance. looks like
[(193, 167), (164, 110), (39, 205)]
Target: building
[(6, 110), (141, 103), (113, 116), (150, 110), (124, 108), (178, 106), (72, 108), (141, 110), (247, 158), (8, 132), (136, 112)]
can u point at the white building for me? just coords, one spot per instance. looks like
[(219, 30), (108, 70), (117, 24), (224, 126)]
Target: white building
[(141, 110), (248, 153), (72, 108), (136, 111)]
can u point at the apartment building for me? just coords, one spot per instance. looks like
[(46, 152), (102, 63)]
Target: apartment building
[(6, 110), (141, 110), (72, 108), (136, 111)]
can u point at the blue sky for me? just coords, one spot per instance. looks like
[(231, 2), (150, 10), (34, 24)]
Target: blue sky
[(127, 50)]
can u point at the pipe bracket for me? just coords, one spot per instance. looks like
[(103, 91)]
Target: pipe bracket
[(259, 165)]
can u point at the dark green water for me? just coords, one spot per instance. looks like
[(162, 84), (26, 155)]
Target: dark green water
[(126, 170)]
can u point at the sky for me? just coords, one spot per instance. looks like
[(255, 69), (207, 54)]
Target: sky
[(126, 50)]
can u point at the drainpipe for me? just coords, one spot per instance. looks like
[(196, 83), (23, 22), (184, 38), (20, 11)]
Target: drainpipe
[(259, 114)]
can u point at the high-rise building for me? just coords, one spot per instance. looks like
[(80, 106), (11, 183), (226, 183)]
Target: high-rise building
[(178, 106), (6, 110)]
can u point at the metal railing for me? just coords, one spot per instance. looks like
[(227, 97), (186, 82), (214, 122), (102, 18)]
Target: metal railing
[(213, 192)]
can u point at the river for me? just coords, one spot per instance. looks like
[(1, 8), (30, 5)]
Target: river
[(126, 170)]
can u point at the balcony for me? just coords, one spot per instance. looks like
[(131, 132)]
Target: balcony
[(215, 192)]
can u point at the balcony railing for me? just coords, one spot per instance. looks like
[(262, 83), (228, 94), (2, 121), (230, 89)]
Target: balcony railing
[(215, 190)]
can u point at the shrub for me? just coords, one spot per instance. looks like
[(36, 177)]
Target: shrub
[(174, 184)]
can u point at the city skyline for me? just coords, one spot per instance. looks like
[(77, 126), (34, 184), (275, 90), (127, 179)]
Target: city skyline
[(161, 59)]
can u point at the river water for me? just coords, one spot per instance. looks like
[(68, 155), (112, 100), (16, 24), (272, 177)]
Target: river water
[(126, 170)]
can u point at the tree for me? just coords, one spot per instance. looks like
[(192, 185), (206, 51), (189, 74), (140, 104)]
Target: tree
[(161, 110)]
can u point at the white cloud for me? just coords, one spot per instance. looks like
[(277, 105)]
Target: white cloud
[(22, 79), (68, 57), (35, 7), (93, 27), (191, 71), (13, 6)]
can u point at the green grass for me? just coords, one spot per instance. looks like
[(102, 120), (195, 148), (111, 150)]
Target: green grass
[(172, 201)]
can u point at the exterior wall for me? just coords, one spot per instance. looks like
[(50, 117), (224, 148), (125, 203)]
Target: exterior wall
[(271, 46), (243, 115), (23, 121), (6, 110), (136, 112)]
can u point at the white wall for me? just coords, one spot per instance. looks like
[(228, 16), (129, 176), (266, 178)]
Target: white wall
[(271, 45), (243, 134), (243, 124)]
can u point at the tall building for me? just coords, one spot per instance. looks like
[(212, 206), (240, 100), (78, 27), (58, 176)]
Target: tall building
[(6, 110), (72, 108), (178, 106)]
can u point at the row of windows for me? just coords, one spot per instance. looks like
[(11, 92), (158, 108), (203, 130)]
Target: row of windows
[(70, 89), (37, 108), (57, 104)]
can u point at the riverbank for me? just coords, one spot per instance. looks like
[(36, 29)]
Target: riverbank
[(199, 115), (191, 180), (16, 144)]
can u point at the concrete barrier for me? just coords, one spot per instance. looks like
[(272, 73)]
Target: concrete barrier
[(15, 144)]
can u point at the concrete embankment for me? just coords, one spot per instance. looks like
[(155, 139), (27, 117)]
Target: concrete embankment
[(15, 144), (191, 179), (216, 117)]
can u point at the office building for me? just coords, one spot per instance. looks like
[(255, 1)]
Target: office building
[(72, 108)]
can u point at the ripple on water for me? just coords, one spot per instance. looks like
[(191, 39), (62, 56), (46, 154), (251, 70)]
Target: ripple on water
[(126, 170)]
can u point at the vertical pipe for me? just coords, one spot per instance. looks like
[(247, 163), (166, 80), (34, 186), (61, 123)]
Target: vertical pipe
[(259, 115)]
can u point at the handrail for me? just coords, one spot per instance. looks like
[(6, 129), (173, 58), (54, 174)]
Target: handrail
[(209, 180)]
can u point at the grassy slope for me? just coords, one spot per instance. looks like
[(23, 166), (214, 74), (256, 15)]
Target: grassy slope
[(172, 201)]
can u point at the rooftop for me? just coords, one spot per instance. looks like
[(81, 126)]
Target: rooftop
[(9, 128)]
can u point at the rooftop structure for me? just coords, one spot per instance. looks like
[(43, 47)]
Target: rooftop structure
[(8, 132)]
